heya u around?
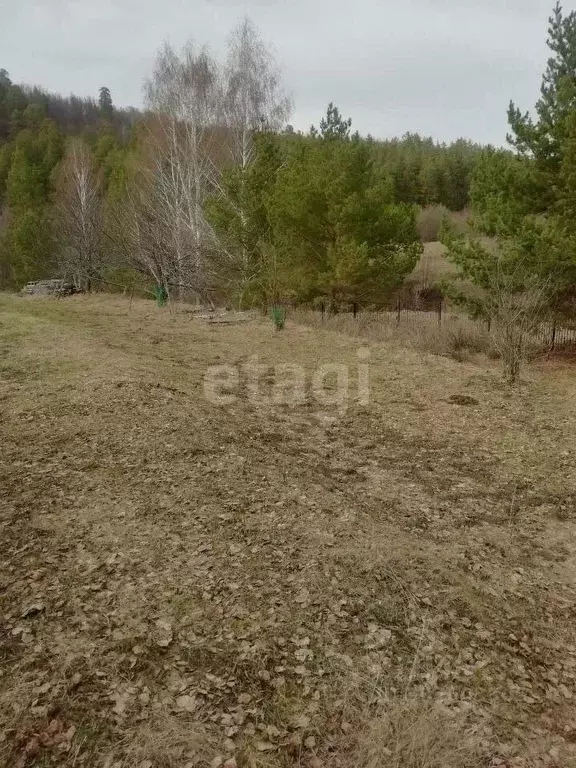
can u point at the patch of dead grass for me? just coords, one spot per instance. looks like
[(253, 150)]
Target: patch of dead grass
[(413, 733)]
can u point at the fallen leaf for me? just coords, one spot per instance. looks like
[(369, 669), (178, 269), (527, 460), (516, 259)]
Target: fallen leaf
[(187, 703), (302, 721), (163, 635)]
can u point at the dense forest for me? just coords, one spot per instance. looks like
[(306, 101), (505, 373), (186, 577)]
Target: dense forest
[(102, 195)]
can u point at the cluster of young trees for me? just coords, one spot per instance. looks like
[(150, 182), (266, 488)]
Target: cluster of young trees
[(521, 267), (321, 222), (26, 169)]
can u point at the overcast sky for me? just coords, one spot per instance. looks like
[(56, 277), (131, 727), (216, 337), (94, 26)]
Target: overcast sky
[(445, 68)]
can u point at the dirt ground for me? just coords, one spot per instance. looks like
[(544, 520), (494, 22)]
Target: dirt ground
[(185, 583)]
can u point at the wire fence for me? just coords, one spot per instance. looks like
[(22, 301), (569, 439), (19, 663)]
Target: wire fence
[(551, 334)]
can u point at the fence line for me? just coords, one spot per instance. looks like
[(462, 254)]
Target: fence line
[(549, 334)]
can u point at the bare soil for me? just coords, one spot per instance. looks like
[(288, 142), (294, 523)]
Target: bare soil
[(191, 584)]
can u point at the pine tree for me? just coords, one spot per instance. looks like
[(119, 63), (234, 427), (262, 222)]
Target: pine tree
[(105, 103), (335, 222), (526, 202), (333, 126), (543, 139)]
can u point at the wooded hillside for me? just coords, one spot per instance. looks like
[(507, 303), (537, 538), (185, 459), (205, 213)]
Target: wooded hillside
[(276, 213)]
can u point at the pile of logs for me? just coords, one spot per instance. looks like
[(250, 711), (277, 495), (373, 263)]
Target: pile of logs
[(49, 288)]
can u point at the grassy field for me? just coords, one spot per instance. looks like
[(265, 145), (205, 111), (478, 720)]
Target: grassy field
[(190, 584)]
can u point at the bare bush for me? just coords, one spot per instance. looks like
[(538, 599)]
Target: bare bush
[(517, 317)]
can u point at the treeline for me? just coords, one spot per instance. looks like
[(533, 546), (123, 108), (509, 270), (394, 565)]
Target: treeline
[(24, 106), (35, 131), (427, 173), (209, 192)]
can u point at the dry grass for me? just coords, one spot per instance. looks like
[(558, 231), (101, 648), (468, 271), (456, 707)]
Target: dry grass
[(431, 218), (413, 734), (185, 584), (454, 336), (432, 267)]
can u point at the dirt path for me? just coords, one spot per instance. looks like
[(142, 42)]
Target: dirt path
[(185, 583)]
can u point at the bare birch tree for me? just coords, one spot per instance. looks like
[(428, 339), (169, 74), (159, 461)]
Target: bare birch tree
[(184, 92), (254, 97), (79, 209), (204, 119), (145, 236)]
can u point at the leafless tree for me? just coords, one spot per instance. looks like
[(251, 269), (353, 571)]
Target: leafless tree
[(145, 235), (203, 118), (185, 94), (254, 96), (79, 210)]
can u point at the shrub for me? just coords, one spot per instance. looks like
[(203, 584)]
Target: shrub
[(278, 317), (161, 295)]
